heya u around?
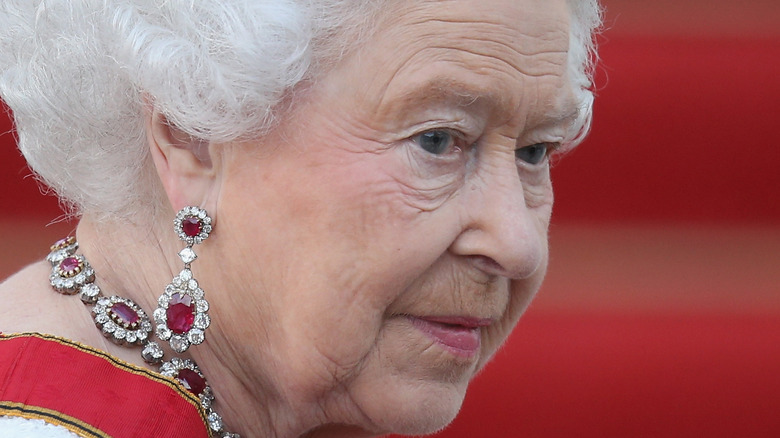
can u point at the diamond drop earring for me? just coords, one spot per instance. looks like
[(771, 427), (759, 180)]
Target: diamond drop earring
[(182, 310)]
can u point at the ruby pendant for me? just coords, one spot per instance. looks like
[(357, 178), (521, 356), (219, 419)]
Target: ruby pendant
[(180, 313)]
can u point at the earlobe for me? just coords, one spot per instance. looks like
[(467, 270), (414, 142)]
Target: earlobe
[(183, 162)]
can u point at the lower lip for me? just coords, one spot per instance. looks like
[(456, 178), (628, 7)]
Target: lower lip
[(460, 340)]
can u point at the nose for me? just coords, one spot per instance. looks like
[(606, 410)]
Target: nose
[(500, 234)]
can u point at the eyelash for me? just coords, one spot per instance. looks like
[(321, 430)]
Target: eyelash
[(549, 149), (453, 137)]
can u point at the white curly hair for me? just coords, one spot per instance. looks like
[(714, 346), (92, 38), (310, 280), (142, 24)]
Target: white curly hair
[(76, 73)]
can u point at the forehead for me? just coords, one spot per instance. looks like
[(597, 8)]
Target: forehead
[(499, 62), (506, 54), (507, 29)]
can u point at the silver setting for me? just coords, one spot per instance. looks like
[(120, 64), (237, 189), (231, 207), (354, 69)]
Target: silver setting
[(117, 329), (71, 282), (152, 352), (187, 255), (62, 249), (172, 368), (215, 421), (179, 343), (202, 217), (187, 288), (90, 293), (207, 398)]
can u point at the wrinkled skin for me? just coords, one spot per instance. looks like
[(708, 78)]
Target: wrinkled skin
[(342, 232), (373, 251)]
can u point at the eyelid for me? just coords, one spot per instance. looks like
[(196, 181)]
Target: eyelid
[(464, 125), (550, 149), (456, 133), (552, 146), (459, 138)]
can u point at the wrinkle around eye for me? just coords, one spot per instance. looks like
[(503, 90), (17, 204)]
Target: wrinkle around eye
[(537, 189), (426, 199), (426, 189)]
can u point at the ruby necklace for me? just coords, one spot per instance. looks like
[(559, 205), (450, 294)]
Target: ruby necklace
[(124, 322)]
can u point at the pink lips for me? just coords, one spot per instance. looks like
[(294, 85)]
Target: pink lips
[(459, 335)]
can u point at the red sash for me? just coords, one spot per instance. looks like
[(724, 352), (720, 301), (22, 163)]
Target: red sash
[(92, 393)]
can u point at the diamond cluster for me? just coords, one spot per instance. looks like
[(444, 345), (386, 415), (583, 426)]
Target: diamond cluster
[(70, 274), (181, 316), (122, 320), (192, 225)]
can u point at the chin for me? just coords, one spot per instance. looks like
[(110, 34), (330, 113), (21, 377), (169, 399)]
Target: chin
[(420, 418), (413, 407)]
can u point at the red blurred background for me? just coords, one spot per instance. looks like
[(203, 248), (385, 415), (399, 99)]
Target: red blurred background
[(661, 312)]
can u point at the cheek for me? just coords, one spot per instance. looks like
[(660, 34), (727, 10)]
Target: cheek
[(333, 244)]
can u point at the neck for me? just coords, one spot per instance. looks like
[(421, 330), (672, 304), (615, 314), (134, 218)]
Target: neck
[(136, 261), (132, 260)]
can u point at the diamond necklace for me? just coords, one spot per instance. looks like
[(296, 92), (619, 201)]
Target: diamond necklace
[(124, 322)]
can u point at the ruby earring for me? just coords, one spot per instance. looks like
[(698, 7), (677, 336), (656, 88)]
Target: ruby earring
[(182, 310)]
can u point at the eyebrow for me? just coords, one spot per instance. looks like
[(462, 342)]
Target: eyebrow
[(564, 116), (448, 90)]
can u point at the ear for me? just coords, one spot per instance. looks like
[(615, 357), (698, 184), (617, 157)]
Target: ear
[(183, 162)]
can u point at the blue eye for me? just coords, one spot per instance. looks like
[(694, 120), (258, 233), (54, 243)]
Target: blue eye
[(436, 142), (533, 154)]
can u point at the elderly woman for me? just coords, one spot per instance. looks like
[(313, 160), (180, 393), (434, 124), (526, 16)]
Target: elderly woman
[(360, 197)]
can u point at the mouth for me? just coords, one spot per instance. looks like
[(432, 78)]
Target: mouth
[(459, 335)]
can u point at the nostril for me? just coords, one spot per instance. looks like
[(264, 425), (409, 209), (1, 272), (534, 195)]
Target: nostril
[(488, 265)]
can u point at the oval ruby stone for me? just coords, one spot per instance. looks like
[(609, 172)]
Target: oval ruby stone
[(125, 314), (191, 226), (180, 313), (70, 264), (191, 380)]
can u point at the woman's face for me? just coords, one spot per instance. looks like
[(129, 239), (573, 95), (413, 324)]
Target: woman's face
[(379, 245)]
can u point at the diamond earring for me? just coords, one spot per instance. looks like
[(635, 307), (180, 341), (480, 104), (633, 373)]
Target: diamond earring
[(182, 311)]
